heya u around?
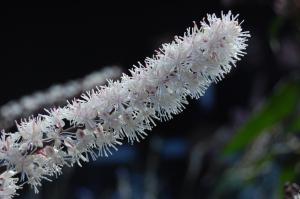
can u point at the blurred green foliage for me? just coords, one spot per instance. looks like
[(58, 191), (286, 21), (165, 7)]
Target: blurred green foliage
[(280, 106), (267, 140)]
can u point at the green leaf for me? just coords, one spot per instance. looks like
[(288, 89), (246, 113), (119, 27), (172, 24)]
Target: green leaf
[(280, 105), (287, 175), (295, 126)]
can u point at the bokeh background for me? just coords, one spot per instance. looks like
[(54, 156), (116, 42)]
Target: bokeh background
[(238, 141)]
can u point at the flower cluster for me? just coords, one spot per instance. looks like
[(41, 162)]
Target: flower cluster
[(56, 94), (8, 185), (127, 109)]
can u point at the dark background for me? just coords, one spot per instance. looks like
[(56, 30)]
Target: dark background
[(43, 45)]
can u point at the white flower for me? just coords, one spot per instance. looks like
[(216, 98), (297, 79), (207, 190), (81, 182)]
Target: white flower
[(102, 118), (10, 151), (31, 132), (8, 185), (54, 118), (105, 140)]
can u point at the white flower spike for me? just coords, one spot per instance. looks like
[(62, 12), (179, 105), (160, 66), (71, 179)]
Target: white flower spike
[(128, 108)]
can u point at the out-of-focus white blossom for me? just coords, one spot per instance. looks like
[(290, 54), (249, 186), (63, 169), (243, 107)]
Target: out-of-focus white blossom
[(297, 196), (125, 109), (56, 94)]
